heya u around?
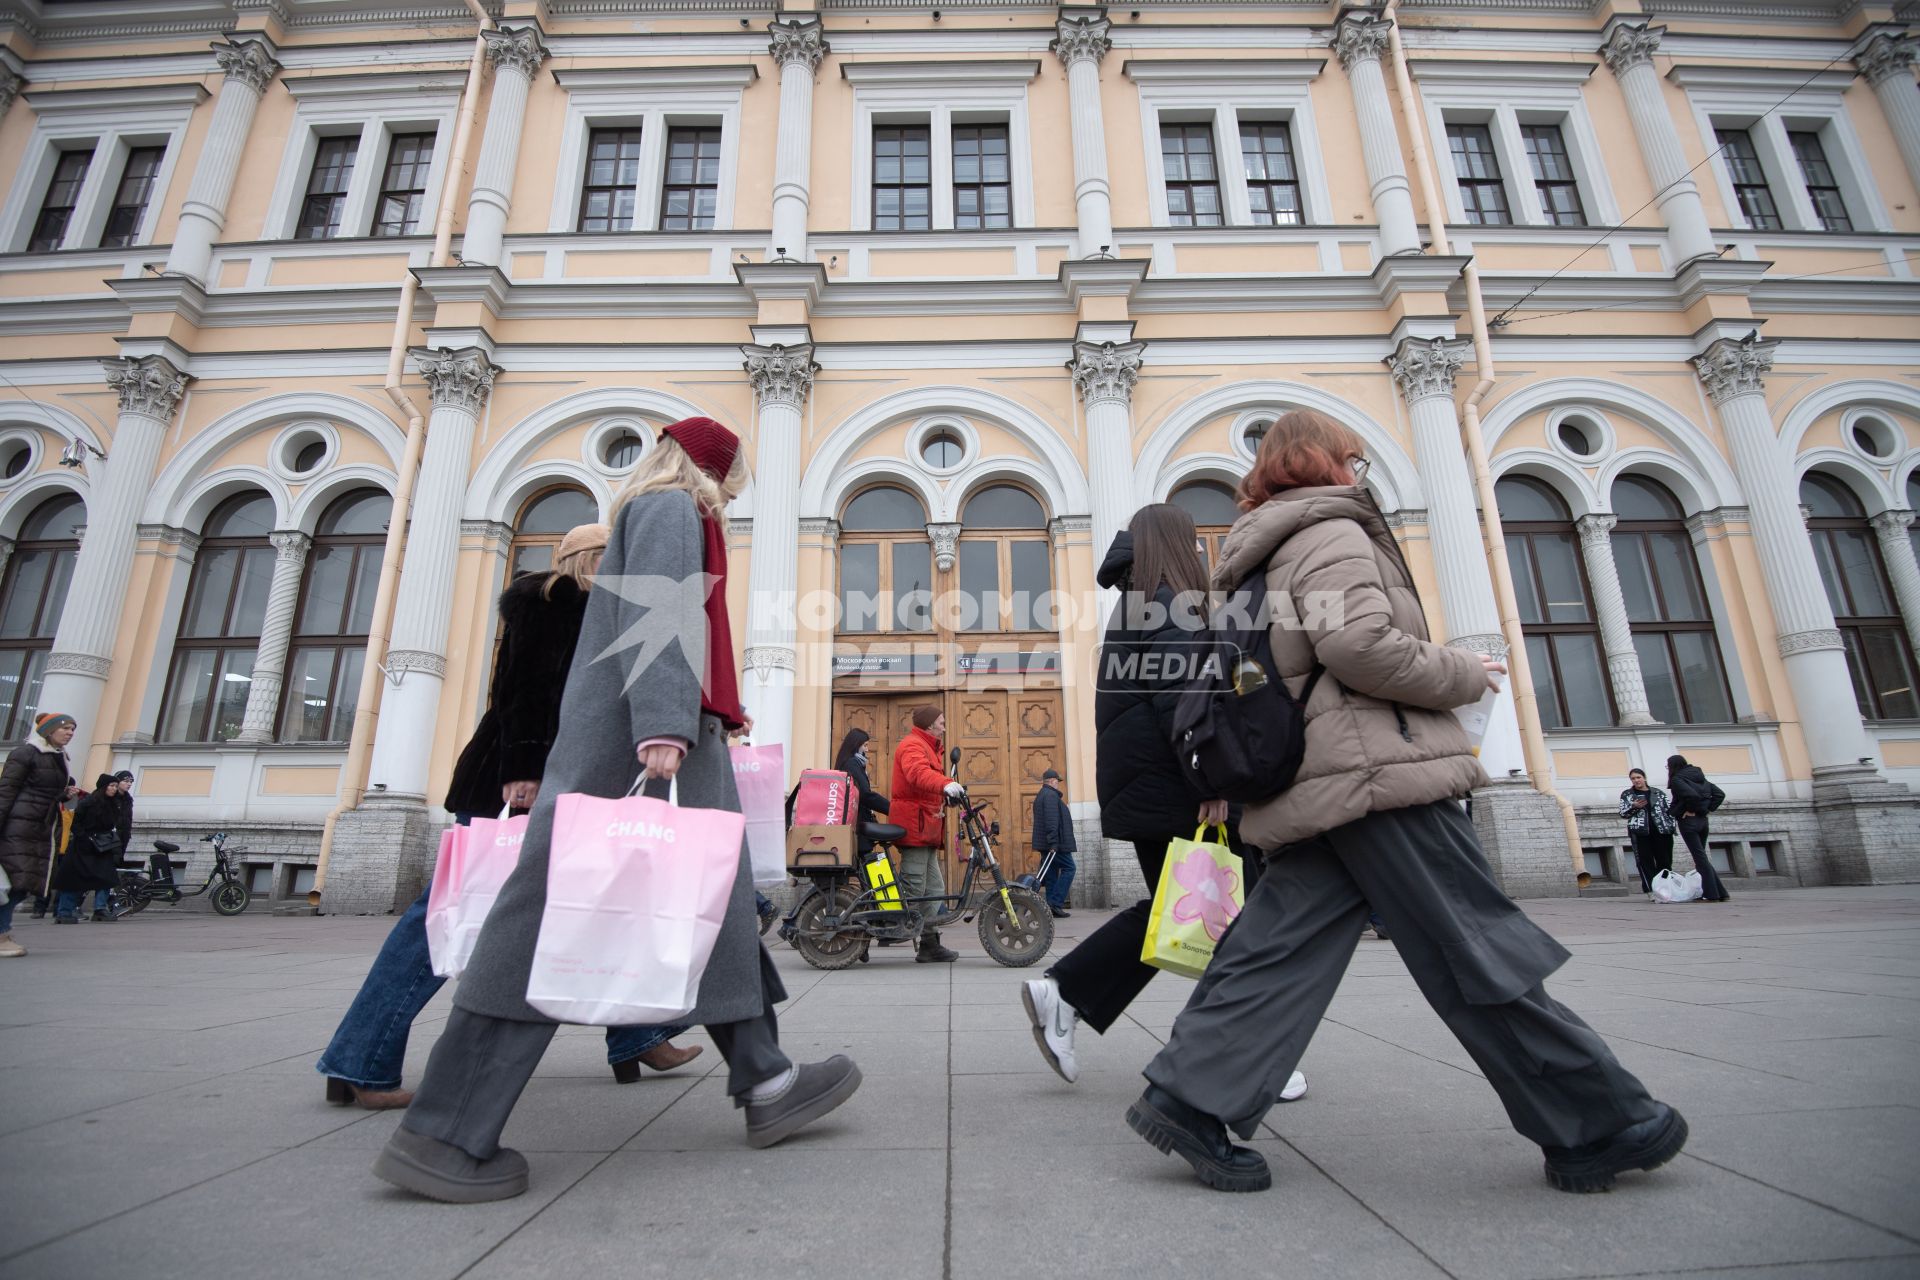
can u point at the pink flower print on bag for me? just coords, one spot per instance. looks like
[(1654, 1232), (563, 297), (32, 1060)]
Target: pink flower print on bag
[(1210, 895)]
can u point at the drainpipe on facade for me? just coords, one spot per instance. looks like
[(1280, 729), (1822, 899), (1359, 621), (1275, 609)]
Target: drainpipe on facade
[(367, 706), (1533, 738)]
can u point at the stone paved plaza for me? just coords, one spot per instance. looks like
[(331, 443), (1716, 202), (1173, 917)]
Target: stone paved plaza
[(162, 1118)]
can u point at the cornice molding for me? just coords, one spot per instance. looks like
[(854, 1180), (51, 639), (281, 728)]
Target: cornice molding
[(653, 79), (1479, 72), (1768, 80), (936, 72), (354, 85), (147, 97), (1223, 71)]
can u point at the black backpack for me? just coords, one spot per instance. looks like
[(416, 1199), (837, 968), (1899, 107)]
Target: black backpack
[(1237, 733)]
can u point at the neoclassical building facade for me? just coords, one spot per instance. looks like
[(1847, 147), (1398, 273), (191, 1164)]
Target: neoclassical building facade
[(324, 318)]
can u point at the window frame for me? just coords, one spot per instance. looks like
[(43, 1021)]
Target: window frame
[(1802, 161), (1479, 215), (984, 185), (941, 95), (1542, 185), (1569, 529), (336, 223), (668, 186), (587, 186), (1724, 137), (1269, 184), (1002, 539), (376, 108), (224, 641), (1667, 628), (518, 541), (908, 130), (46, 612), (364, 544), (114, 204), (1820, 530), (1190, 131), (385, 191)]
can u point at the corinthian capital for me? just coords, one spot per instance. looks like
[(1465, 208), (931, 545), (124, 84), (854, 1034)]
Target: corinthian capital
[(290, 544), (462, 379), (516, 49), (1884, 57), (798, 40), (9, 88), (1082, 38), (780, 374), (1106, 370), (1359, 38), (1596, 529), (946, 543), (1630, 46), (1424, 367), (147, 385), (248, 61), (1733, 368)]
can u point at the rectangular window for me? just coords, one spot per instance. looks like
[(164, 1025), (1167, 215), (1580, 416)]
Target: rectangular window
[(902, 177), (326, 198), (1476, 166), (612, 176), (1193, 181), (1750, 187), (131, 196), (691, 192), (56, 210), (982, 177), (1273, 179), (1822, 189), (403, 188), (1553, 175)]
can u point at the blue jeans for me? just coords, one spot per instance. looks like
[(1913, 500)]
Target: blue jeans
[(1058, 880), (11, 899), (371, 1042), (70, 900)]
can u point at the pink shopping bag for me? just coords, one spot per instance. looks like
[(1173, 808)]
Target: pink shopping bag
[(475, 860), (760, 774), (636, 891)]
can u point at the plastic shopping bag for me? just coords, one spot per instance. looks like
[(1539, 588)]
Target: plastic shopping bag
[(636, 891), (760, 775), (475, 860), (1676, 886), (1199, 895)]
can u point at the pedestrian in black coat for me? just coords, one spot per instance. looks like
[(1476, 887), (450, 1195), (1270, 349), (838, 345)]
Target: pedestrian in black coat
[(851, 759), (1692, 798), (123, 796), (1053, 839), (92, 860), (33, 782)]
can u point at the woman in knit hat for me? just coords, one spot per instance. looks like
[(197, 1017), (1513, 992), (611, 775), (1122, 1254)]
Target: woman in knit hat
[(653, 677), (33, 782)]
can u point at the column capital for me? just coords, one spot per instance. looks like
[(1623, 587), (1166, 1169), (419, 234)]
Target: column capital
[(1596, 527), (1730, 368), (462, 379), (290, 544), (1360, 38), (1424, 368), (1081, 39), (946, 542), (764, 659), (249, 61), (781, 374), (798, 42), (516, 49), (10, 86), (146, 385), (1884, 57), (1892, 523), (1631, 45), (824, 528), (1106, 371)]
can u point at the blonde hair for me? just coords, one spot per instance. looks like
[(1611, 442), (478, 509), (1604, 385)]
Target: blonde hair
[(578, 565), (668, 467)]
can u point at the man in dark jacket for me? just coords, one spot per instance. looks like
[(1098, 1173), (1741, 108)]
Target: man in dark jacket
[(1053, 837), (1691, 797)]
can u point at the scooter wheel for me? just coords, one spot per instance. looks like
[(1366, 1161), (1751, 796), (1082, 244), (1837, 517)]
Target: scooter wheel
[(231, 898)]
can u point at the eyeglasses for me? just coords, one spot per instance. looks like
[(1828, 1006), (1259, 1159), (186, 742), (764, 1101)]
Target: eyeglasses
[(1359, 466)]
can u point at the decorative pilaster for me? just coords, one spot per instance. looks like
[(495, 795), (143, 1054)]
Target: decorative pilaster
[(1359, 41), (276, 633), (782, 378), (1896, 548), (249, 66), (797, 45), (516, 55), (1629, 51), (1616, 632), (1080, 43), (1104, 374), (1887, 63), (946, 544)]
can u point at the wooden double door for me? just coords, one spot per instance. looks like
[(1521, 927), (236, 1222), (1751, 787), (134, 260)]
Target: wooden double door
[(1007, 739)]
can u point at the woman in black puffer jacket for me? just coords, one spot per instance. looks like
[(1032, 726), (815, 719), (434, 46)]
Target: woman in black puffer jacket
[(92, 859), (33, 782)]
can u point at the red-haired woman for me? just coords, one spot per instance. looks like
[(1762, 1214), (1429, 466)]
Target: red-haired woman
[(1374, 818)]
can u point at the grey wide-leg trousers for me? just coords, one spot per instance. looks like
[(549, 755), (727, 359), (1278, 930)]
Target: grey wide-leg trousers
[(481, 1064), (1476, 957)]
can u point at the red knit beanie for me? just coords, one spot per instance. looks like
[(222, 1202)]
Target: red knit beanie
[(711, 446)]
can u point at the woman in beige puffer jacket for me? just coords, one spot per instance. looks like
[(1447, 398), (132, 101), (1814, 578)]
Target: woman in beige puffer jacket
[(1373, 817)]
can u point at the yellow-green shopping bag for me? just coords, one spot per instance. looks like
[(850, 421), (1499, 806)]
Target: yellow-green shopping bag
[(1198, 897)]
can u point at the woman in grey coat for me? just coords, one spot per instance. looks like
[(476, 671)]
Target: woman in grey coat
[(653, 677)]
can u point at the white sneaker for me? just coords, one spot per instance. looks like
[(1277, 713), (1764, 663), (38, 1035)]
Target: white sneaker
[(9, 948), (1053, 1023), (1296, 1087)]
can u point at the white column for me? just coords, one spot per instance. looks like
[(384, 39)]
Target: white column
[(276, 633), (1080, 43), (1424, 368), (1896, 548), (782, 378), (250, 67), (1887, 63), (798, 44), (1616, 632), (1359, 41), (1810, 646), (149, 388), (1629, 51), (1104, 374), (516, 55), (460, 382)]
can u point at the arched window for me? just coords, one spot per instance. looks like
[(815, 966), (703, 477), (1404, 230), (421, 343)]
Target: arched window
[(1005, 560), (1556, 608), (219, 632), (31, 598), (1913, 504), (886, 563), (336, 608), (1667, 606), (1878, 652), (1213, 508), (544, 520)]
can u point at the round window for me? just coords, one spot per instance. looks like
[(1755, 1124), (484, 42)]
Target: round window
[(622, 450), (1874, 437), (309, 458), (17, 456), (1579, 437), (1255, 433), (943, 450)]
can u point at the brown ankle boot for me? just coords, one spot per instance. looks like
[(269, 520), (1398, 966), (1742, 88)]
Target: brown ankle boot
[(665, 1057), (341, 1094)]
